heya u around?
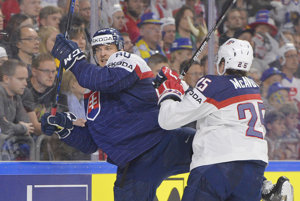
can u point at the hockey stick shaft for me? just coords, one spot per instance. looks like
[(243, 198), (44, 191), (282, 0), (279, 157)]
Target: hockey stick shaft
[(60, 69), (206, 39)]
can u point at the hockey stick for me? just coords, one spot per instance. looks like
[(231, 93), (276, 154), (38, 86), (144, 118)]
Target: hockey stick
[(194, 58), (60, 69)]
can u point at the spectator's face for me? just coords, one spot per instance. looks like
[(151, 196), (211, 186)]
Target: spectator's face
[(183, 24), (76, 88), (179, 56), (263, 28), (169, 33), (45, 73), (85, 9), (17, 82), (277, 128), (118, 20), (80, 40), (291, 61), (31, 7), (103, 52), (29, 41), (234, 20), (51, 40), (128, 46), (151, 33), (244, 18), (52, 20), (135, 7), (291, 121), (195, 72)]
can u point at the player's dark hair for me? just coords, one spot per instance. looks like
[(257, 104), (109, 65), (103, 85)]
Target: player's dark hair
[(239, 73)]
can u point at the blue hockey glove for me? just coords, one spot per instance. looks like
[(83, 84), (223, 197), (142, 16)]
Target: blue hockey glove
[(66, 51), (61, 123)]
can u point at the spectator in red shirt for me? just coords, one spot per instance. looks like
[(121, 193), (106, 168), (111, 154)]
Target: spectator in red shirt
[(132, 10)]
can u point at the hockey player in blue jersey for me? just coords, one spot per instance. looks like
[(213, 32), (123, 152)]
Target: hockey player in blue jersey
[(229, 149), (122, 117)]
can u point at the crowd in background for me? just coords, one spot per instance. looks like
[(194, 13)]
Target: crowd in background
[(163, 33)]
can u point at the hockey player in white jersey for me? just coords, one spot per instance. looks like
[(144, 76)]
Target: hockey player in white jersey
[(229, 149)]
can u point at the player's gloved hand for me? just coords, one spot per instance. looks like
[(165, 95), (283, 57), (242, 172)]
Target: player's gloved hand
[(66, 51), (170, 89), (61, 124), (282, 190), (164, 74)]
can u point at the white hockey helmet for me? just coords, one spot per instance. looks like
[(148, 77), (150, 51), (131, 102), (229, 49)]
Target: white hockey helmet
[(237, 54)]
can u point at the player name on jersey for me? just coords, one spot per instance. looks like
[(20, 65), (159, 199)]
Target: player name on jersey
[(243, 82)]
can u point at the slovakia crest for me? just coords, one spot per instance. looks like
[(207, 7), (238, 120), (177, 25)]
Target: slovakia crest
[(93, 105)]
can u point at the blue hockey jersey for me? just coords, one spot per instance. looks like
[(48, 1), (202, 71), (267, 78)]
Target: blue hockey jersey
[(121, 108)]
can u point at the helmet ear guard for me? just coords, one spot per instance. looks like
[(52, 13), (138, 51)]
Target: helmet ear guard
[(237, 55)]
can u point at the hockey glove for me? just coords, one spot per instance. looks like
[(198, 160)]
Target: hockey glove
[(165, 74), (61, 124), (170, 89), (281, 191), (66, 51)]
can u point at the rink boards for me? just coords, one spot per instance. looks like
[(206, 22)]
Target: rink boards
[(93, 181)]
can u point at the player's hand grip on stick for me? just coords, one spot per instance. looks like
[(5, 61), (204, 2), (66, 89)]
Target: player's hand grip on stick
[(66, 51), (61, 123), (170, 87)]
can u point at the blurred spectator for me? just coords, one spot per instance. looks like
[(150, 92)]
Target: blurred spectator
[(9, 8), (181, 50), (128, 46), (269, 77), (48, 36), (3, 55), (1, 20), (85, 11), (195, 72), (264, 23), (42, 92), (74, 92), (232, 23), (291, 113), (77, 35), (245, 34), (64, 5), (168, 35), (77, 21), (289, 62), (277, 96), (274, 122), (50, 16), (32, 9), (156, 62), (27, 44), (16, 21), (13, 117), (132, 10), (183, 29), (244, 17), (117, 19), (149, 42)]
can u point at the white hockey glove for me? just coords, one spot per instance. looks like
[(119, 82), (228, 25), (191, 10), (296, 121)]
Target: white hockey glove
[(281, 191)]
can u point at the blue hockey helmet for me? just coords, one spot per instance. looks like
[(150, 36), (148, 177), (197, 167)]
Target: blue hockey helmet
[(108, 36)]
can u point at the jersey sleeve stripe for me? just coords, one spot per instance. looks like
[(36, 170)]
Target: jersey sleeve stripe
[(232, 100), (141, 74)]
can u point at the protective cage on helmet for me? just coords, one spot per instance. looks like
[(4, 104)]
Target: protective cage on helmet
[(237, 55)]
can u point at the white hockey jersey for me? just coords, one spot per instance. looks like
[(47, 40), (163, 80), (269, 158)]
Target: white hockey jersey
[(229, 113), (294, 84)]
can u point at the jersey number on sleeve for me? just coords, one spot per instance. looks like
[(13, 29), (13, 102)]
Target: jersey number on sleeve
[(242, 108)]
